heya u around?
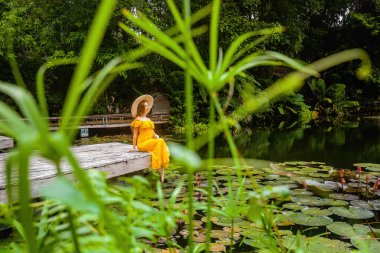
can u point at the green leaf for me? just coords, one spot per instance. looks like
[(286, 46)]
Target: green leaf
[(352, 213), (64, 191), (184, 156), (309, 220)]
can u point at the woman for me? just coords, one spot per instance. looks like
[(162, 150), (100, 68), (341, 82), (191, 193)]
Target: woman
[(144, 137)]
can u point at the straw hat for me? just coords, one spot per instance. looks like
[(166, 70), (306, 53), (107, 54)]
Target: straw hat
[(147, 98)]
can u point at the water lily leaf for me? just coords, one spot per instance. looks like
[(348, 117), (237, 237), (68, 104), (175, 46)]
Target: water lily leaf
[(366, 243), (292, 169), (308, 220), (355, 185), (224, 178), (274, 177), (370, 205), (215, 247), (281, 221), (319, 185), (310, 170), (353, 212), (316, 211), (252, 232), (374, 169), (170, 250), (199, 238), (361, 204), (374, 166), (223, 234), (196, 223), (317, 201), (296, 163), (228, 229), (317, 244), (332, 185), (296, 192), (319, 175), (346, 230), (225, 222), (375, 204), (293, 206), (341, 196)]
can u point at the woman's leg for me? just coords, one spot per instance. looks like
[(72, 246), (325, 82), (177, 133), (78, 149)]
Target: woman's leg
[(162, 175)]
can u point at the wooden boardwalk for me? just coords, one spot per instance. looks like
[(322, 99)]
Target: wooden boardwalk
[(113, 158), (6, 142)]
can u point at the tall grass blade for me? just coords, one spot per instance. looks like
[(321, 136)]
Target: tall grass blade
[(13, 62), (213, 46), (24, 198), (211, 155), (11, 124), (27, 105), (41, 96)]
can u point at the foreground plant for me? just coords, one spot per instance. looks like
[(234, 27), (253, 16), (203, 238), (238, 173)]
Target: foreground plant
[(180, 48), (81, 218)]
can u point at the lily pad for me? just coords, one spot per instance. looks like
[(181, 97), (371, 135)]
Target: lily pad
[(353, 212), (292, 169), (368, 165), (366, 243), (316, 211), (215, 247), (296, 192), (319, 175), (346, 230), (309, 220), (375, 204), (274, 177), (320, 186), (370, 205), (316, 244), (341, 196), (223, 234), (227, 221), (332, 185), (374, 169), (282, 221), (317, 201), (292, 206), (199, 238), (361, 204)]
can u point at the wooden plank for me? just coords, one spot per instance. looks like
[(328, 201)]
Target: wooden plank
[(112, 158), (164, 120), (6, 142)]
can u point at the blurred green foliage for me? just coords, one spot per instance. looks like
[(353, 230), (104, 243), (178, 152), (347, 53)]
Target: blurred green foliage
[(46, 30)]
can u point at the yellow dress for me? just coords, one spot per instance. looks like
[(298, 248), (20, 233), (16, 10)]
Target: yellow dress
[(146, 142)]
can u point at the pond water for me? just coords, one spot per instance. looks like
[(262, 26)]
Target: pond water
[(340, 146)]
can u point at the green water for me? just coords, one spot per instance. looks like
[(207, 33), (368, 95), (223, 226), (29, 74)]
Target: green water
[(339, 146)]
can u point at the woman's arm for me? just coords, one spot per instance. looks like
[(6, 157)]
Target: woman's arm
[(135, 135)]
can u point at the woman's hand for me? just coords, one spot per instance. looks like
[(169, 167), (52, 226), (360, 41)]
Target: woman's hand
[(132, 150), (156, 136)]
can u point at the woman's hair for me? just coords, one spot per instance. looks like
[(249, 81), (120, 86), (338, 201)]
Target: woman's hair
[(141, 107)]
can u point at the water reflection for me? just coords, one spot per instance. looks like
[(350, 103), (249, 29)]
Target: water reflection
[(340, 145)]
